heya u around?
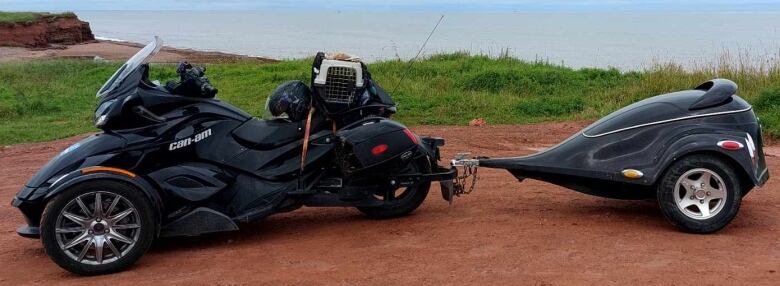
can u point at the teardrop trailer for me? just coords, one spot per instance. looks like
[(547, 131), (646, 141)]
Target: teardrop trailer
[(698, 152)]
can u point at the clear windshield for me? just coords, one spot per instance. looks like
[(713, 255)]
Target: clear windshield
[(142, 57)]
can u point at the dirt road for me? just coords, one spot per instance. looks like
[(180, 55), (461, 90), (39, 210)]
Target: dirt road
[(507, 233)]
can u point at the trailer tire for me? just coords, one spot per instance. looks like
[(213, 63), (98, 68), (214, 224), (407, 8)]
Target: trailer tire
[(700, 193)]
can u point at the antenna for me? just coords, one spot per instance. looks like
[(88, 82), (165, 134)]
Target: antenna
[(411, 61)]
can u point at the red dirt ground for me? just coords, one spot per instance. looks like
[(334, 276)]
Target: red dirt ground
[(506, 233)]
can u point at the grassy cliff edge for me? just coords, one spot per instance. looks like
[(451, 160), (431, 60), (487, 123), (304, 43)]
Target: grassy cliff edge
[(28, 17)]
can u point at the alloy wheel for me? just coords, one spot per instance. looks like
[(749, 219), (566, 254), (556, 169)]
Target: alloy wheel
[(97, 228), (700, 193)]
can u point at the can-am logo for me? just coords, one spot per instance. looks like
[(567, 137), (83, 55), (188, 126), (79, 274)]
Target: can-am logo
[(188, 141)]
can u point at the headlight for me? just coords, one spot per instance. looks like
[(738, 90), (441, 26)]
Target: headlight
[(101, 121), (101, 114)]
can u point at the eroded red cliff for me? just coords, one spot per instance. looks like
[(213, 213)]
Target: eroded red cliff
[(46, 31)]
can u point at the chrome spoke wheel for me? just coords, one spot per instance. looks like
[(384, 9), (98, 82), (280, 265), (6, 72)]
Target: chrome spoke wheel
[(700, 193), (97, 228)]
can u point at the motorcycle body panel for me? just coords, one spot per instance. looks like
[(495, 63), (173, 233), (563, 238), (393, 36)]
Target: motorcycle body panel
[(375, 141)]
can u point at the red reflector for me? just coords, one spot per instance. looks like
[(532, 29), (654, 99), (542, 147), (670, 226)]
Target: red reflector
[(730, 145), (411, 135), (379, 149)]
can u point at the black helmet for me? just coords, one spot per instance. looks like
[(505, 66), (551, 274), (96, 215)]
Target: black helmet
[(292, 98)]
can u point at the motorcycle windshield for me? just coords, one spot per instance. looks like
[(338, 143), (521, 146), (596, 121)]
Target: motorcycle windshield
[(142, 57)]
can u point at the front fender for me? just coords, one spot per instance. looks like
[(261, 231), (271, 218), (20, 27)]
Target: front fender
[(78, 177), (32, 207), (87, 152)]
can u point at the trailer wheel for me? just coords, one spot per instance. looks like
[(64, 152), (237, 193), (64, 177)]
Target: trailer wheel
[(97, 227), (399, 202), (700, 194)]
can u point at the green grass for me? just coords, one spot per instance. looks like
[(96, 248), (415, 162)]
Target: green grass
[(26, 17), (50, 99)]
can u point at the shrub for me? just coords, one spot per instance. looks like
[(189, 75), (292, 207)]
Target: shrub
[(550, 106)]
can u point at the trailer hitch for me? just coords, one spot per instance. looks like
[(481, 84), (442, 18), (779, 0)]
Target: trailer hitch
[(461, 185)]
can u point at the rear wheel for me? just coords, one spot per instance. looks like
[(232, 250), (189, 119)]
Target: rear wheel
[(97, 227), (401, 201), (700, 194)]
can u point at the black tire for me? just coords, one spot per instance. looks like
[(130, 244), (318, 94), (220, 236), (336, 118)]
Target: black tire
[(409, 200), (692, 219), (140, 223)]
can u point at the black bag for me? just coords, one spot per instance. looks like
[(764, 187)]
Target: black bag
[(193, 82)]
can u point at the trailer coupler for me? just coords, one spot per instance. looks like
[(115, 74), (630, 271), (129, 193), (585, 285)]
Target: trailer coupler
[(464, 182)]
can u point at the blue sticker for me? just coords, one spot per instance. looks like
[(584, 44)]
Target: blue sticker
[(70, 148)]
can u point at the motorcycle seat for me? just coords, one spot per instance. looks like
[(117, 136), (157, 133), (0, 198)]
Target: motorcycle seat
[(267, 134)]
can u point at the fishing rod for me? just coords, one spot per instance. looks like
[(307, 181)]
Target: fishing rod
[(411, 61)]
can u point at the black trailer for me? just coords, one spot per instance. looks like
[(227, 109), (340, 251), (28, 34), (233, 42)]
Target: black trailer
[(697, 151)]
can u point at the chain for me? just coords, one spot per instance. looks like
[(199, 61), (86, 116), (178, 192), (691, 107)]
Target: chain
[(460, 181)]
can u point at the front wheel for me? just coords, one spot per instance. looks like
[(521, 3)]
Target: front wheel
[(700, 194), (398, 202), (97, 227)]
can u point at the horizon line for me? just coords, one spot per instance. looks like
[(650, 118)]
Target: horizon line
[(687, 8)]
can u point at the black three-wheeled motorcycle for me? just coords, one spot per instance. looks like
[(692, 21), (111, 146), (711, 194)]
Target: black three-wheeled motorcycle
[(175, 161)]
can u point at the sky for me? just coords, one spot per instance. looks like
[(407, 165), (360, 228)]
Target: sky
[(398, 5)]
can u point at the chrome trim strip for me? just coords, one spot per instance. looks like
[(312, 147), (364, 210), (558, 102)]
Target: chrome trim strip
[(666, 121), (751, 146), (766, 170)]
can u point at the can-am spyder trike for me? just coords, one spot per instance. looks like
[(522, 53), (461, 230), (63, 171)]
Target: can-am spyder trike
[(174, 161)]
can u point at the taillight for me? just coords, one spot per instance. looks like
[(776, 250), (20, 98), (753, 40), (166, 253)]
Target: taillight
[(730, 145), (379, 149), (410, 135)]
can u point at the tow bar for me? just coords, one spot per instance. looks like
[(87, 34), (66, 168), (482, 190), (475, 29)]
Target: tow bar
[(461, 185)]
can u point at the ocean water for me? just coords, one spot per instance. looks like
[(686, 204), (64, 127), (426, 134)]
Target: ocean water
[(610, 39)]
